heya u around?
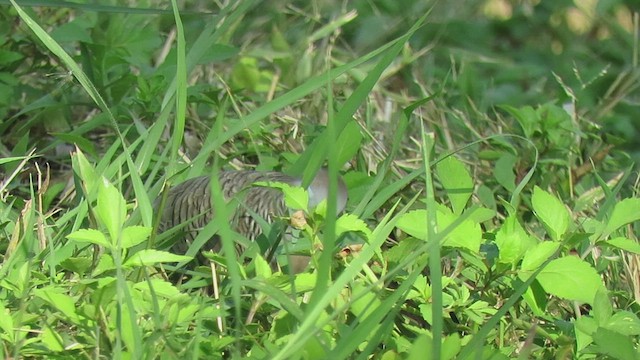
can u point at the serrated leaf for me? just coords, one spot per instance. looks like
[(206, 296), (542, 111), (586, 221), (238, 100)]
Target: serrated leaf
[(571, 278), (134, 235), (625, 212), (150, 257), (91, 236), (111, 209), (350, 222), (453, 175), (553, 214)]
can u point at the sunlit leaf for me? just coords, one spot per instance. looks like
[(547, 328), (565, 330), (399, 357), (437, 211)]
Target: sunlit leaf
[(111, 209), (553, 214), (350, 222), (91, 236), (537, 256), (62, 302), (512, 241), (134, 235), (457, 182), (625, 212), (151, 257), (625, 244), (571, 278)]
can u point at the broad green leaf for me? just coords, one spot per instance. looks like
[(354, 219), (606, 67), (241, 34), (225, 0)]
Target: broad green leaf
[(79, 265), (527, 117), (160, 287), (90, 236), (553, 214), (602, 308), (414, 223), (134, 235), (86, 172), (584, 328), (512, 241), (624, 322), (7, 57), (350, 222), (263, 269), (128, 327), (625, 212), (456, 180), (295, 197), (451, 346), (349, 142), (535, 296), (6, 323), (62, 302), (303, 282), (76, 30), (481, 214), (366, 300), (571, 278), (111, 209), (150, 257), (421, 348), (503, 171), (625, 244), (405, 248), (51, 340), (466, 235), (536, 257), (612, 344), (105, 263)]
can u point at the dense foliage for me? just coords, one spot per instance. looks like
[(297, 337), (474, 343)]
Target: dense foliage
[(489, 148)]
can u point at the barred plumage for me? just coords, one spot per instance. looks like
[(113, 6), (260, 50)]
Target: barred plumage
[(191, 201)]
